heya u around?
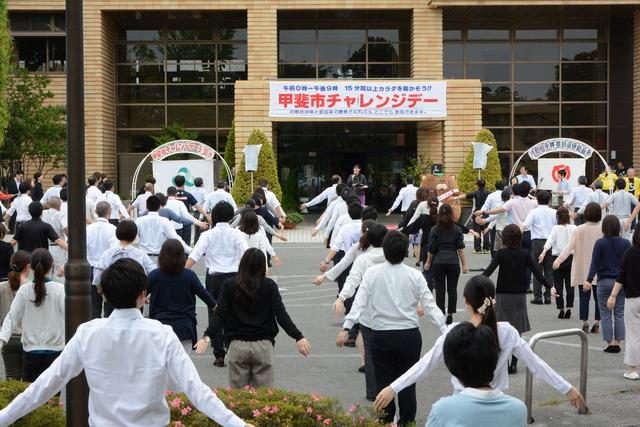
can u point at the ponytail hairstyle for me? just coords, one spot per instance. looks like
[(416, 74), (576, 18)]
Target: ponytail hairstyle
[(251, 270), (41, 263), (480, 293), (433, 202), (363, 243), (19, 263)]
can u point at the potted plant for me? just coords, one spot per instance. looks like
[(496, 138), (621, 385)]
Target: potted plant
[(293, 219)]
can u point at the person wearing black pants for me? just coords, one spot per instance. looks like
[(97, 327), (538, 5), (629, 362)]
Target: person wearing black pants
[(389, 297), (562, 278), (33, 364), (394, 352), (213, 283), (223, 247), (446, 253)]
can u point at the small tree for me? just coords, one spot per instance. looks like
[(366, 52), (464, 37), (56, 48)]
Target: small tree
[(36, 132), (174, 132), (267, 169), (230, 150), (492, 173), (416, 166), (290, 192), (5, 67)]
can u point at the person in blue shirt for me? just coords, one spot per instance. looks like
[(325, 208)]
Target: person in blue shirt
[(471, 354)]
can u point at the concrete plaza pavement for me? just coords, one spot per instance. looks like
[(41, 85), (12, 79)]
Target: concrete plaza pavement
[(331, 371)]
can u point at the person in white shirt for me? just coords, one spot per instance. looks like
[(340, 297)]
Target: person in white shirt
[(101, 235), (129, 362), (492, 201), (256, 237), (223, 248), (405, 196), (118, 211), (525, 177), (93, 192), (198, 191), (328, 194), (140, 203), (59, 180), (389, 295), (38, 308), (577, 199), (559, 239), (479, 297), (598, 196), (564, 187), (217, 196), (154, 230), (177, 206), (323, 221), (621, 204), (540, 222), (126, 232), (54, 217), (90, 210), (273, 204), (20, 205)]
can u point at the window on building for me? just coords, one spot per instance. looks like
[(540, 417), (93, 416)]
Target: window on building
[(39, 41), (170, 70), (541, 78), (345, 44)]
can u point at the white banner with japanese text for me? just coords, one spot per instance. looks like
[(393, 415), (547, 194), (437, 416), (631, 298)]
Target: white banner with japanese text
[(358, 99)]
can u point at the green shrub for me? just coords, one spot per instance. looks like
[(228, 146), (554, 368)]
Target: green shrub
[(290, 192), (267, 169), (293, 217), (492, 173), (416, 166), (229, 151), (271, 407), (51, 414)]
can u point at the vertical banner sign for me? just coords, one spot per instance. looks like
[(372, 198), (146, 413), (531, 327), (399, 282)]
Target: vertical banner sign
[(358, 99), (548, 169), (480, 151)]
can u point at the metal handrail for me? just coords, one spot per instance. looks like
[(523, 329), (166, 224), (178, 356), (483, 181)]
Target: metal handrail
[(584, 350)]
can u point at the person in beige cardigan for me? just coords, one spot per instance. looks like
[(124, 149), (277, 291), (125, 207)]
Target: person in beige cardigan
[(582, 243)]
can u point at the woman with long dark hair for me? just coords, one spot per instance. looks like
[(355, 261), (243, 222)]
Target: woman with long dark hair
[(172, 293), (513, 283), (249, 311), (445, 254), (42, 302), (479, 298), (12, 352), (256, 237)]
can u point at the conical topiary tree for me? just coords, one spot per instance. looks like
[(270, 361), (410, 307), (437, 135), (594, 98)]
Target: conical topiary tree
[(230, 151), (267, 169), (492, 173)]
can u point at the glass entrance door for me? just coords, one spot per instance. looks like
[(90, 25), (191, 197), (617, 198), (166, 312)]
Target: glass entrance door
[(318, 150)]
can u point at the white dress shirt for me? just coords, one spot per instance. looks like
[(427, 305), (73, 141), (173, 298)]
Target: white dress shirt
[(564, 187), (64, 214), (621, 203), (597, 196), (510, 343), (527, 178), (200, 194), (154, 230), (390, 294), (259, 241), (272, 202), (117, 252), (540, 221), (179, 209), (101, 235), (342, 220), (93, 193), (326, 216), (117, 208), (222, 247), (340, 209), (559, 238), (492, 201), (348, 235), (140, 203), (329, 194), (20, 206), (578, 196), (217, 196), (518, 208), (51, 192), (348, 259), (90, 206), (129, 362), (405, 196), (54, 219)]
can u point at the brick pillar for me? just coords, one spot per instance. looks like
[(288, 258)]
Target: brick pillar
[(636, 88), (262, 42), (100, 93), (426, 43), (430, 141)]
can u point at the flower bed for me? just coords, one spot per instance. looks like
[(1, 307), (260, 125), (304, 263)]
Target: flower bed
[(50, 414), (273, 407)]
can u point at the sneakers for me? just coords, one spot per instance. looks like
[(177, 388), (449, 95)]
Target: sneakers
[(632, 375)]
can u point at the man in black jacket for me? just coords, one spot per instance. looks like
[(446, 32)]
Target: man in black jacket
[(12, 188)]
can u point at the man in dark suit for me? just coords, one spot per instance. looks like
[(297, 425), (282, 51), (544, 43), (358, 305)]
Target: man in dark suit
[(12, 188)]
